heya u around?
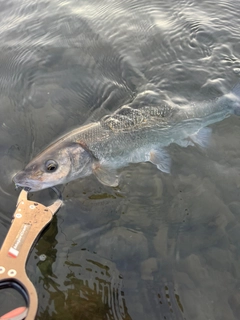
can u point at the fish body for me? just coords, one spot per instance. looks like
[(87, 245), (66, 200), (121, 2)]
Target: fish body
[(127, 136)]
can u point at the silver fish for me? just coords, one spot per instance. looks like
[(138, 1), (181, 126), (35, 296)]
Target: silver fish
[(127, 136)]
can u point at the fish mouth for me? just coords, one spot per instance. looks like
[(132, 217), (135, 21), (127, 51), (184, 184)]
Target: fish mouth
[(22, 185), (17, 186), (21, 181)]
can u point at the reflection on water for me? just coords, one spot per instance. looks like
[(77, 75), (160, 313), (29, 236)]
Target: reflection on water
[(158, 246), (91, 288), (81, 284), (90, 292)]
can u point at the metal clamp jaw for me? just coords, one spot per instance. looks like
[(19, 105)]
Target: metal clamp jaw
[(29, 219)]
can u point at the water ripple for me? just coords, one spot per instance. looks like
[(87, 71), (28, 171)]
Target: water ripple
[(67, 62)]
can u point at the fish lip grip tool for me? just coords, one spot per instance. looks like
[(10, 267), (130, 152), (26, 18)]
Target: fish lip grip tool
[(29, 220)]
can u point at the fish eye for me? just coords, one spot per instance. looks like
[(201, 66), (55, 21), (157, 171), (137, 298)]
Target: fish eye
[(51, 166)]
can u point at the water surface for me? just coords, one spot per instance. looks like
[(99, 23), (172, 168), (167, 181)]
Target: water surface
[(158, 246)]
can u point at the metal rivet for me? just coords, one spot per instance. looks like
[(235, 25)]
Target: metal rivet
[(2, 270), (32, 206), (12, 273), (42, 257), (18, 215)]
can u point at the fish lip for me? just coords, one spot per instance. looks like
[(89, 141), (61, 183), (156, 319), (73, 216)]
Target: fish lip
[(28, 184), (21, 182), (18, 185)]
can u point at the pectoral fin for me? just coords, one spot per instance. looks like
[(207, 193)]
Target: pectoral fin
[(202, 137), (185, 142), (161, 159), (106, 175)]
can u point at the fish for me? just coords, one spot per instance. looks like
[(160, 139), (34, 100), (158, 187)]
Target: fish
[(129, 135)]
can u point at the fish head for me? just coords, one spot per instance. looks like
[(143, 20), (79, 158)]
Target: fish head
[(58, 164)]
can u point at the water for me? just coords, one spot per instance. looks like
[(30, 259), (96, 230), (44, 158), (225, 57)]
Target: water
[(159, 246)]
